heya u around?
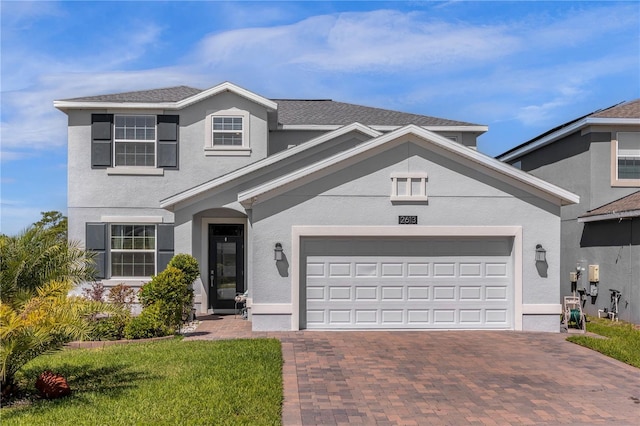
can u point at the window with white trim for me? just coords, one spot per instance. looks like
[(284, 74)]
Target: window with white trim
[(135, 140), (227, 131), (628, 155), (409, 187), (133, 250)]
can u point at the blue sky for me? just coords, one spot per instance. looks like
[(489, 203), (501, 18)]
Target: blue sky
[(519, 67)]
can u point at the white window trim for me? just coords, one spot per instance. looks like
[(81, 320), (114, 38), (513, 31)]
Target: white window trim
[(614, 165), (155, 251), (227, 150), (409, 177), (129, 170), (135, 170)]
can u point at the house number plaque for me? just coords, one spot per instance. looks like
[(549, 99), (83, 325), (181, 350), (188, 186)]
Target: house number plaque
[(408, 220)]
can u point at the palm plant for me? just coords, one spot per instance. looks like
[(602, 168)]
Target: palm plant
[(36, 256), (40, 324), (38, 269)]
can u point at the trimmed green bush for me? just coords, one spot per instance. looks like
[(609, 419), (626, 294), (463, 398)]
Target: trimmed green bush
[(109, 328), (171, 292), (187, 264), (150, 323)]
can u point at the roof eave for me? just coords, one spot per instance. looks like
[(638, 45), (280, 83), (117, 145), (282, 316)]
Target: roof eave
[(388, 128), (224, 87), (610, 216), (574, 127)]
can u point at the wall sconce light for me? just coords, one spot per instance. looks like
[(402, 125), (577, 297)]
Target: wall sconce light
[(541, 253), (277, 252)]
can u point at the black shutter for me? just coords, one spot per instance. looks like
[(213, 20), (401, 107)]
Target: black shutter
[(168, 141), (165, 245), (101, 140), (96, 241)]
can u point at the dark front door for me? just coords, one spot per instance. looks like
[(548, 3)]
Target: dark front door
[(226, 264)]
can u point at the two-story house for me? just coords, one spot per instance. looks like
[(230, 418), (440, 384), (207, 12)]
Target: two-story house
[(596, 156), (330, 215)]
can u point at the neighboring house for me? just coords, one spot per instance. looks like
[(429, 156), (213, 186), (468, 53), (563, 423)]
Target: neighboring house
[(330, 215), (596, 156)]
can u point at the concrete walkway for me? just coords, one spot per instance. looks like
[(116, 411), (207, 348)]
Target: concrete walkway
[(444, 378)]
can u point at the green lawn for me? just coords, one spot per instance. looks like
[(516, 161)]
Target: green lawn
[(622, 340), (168, 382)]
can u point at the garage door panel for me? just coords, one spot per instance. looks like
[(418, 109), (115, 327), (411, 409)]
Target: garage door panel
[(496, 292), (471, 269), (417, 270), (444, 269), (339, 269), (464, 287), (496, 269), (339, 293), (389, 293), (471, 293), (366, 293), (392, 269), (418, 293)]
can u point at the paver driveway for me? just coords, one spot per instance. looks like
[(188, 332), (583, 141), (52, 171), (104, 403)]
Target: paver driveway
[(457, 378)]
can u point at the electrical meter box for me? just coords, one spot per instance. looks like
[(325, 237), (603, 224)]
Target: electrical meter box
[(594, 273), (573, 277)]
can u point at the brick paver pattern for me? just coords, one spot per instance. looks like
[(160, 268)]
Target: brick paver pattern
[(444, 377)]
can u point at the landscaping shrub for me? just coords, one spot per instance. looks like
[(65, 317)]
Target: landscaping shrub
[(170, 291), (150, 323), (94, 292), (187, 264), (110, 327), (122, 296)]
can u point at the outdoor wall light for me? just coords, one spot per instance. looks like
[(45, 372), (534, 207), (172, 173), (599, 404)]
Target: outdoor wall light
[(277, 252), (541, 253)]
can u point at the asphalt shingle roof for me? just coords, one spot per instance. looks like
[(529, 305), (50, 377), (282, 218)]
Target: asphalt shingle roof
[(168, 94), (292, 111), (624, 204), (629, 109), (326, 111)]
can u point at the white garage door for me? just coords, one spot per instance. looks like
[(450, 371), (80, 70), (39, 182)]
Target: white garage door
[(418, 284)]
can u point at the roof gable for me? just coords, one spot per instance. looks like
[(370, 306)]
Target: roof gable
[(212, 185), (173, 98), (345, 159)]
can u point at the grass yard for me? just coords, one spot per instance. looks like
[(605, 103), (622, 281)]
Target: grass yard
[(622, 340), (169, 382)]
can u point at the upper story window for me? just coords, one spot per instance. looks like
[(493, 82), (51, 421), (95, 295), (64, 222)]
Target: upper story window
[(409, 187), (135, 140), (625, 153), (134, 144), (228, 133)]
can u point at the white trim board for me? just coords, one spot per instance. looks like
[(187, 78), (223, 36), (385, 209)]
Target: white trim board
[(299, 232)]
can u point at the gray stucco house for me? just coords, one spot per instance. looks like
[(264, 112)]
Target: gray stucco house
[(331, 215), (596, 156)]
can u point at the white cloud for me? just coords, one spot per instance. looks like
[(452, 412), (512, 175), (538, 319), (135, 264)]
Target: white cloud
[(383, 41), (348, 56)]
